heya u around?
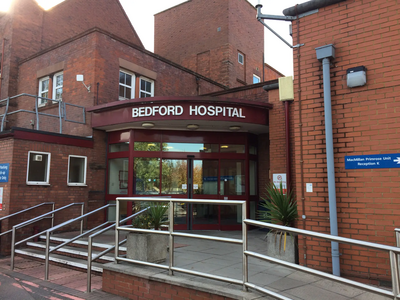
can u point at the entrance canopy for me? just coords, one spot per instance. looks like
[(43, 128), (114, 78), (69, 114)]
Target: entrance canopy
[(183, 113)]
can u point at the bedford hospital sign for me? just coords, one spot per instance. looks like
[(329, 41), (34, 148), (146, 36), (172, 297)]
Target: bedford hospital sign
[(193, 110)]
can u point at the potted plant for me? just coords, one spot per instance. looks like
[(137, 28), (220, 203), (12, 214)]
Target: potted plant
[(150, 247), (281, 209)]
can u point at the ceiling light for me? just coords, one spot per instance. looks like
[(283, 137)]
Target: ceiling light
[(192, 126), (234, 128), (224, 146), (147, 125)]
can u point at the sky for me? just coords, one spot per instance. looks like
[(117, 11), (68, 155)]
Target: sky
[(141, 14)]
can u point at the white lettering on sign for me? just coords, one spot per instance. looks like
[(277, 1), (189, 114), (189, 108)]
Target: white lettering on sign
[(194, 110)]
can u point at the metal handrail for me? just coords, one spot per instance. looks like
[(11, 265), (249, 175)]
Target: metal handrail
[(23, 211), (394, 252), (41, 217), (99, 255), (61, 110), (50, 230)]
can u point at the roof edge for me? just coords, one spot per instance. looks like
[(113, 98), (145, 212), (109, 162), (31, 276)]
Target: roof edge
[(308, 6)]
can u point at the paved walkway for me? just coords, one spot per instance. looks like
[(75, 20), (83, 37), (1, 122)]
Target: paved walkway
[(27, 280)]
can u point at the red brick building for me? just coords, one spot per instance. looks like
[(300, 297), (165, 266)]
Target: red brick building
[(85, 110), (365, 127)]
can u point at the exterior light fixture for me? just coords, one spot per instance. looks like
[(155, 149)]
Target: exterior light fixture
[(356, 76), (192, 126), (235, 128), (80, 78), (224, 146), (147, 125)]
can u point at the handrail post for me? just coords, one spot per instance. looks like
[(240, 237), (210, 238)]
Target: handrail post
[(245, 244), (171, 237), (82, 211), (47, 255), (394, 267), (116, 253), (89, 266), (12, 248), (52, 215)]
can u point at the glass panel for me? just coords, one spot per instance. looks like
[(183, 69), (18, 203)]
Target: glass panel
[(119, 147), (146, 146), (253, 150), (190, 147), (256, 79), (205, 177), (45, 85), (231, 214), (58, 94), (118, 176), (122, 91), (226, 148), (146, 176), (144, 95), (180, 213), (38, 164), (128, 93), (253, 178), (128, 79), (205, 214), (122, 77), (174, 176), (148, 87), (59, 80), (111, 213), (232, 180), (142, 85), (76, 170)]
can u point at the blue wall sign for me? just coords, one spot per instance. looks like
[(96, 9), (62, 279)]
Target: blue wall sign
[(377, 161), (4, 170)]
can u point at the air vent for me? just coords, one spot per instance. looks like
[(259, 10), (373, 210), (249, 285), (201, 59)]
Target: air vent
[(37, 157)]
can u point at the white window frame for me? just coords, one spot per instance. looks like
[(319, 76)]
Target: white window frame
[(55, 87), (151, 93), (240, 55), (84, 171), (42, 102), (47, 180), (255, 76), (132, 86)]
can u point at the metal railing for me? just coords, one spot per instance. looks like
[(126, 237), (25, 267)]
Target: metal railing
[(31, 221), (394, 252), (92, 258), (23, 211), (62, 110)]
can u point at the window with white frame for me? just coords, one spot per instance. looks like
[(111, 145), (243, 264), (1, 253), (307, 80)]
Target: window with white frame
[(240, 58), (126, 85), (43, 90), (38, 172), (77, 170), (146, 87), (256, 79), (58, 80)]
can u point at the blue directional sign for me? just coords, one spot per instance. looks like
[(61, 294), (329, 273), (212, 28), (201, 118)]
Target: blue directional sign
[(4, 170), (377, 161)]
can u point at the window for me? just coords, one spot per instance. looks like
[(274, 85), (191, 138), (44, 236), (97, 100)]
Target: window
[(146, 87), (77, 170), (38, 168), (256, 79), (43, 90), (126, 85), (58, 86), (56, 91), (240, 58)]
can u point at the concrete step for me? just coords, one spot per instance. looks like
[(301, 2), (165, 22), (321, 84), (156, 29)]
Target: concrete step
[(59, 259), (71, 251)]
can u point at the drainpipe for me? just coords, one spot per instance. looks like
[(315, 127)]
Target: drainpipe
[(324, 54), (2, 64)]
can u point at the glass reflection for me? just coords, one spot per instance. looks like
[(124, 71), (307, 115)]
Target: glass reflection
[(146, 176), (232, 180), (146, 146), (174, 176), (190, 147), (118, 176), (228, 148)]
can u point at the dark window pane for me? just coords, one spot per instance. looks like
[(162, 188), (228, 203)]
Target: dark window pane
[(38, 167), (128, 93), (121, 91), (121, 77), (128, 79)]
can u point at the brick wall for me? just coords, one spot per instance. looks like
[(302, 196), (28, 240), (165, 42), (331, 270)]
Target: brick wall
[(365, 121), (221, 28), (133, 287)]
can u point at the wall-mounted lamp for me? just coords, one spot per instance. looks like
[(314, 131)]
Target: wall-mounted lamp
[(356, 76), (147, 125), (235, 128), (80, 78)]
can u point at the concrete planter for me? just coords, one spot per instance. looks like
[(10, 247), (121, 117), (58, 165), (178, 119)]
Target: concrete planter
[(275, 247), (150, 247)]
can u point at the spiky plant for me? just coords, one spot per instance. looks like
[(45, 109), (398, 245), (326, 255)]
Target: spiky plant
[(278, 208)]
